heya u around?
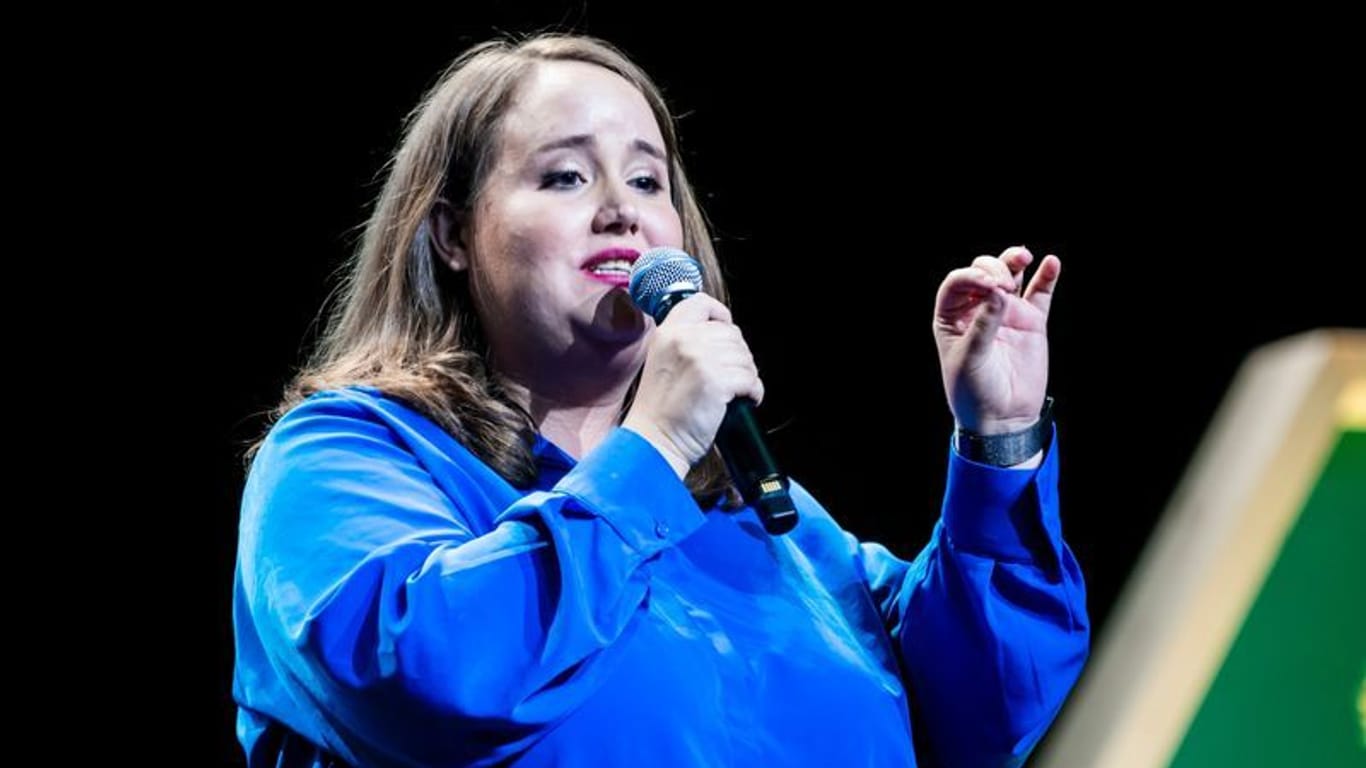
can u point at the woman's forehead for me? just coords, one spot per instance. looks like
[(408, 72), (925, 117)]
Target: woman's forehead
[(564, 99)]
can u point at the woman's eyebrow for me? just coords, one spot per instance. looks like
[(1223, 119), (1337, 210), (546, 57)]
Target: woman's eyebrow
[(587, 140)]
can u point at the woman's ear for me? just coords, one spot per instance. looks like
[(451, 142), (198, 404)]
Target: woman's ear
[(448, 235)]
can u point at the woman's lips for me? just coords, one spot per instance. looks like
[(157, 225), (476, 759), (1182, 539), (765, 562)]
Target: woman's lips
[(618, 273), (628, 255)]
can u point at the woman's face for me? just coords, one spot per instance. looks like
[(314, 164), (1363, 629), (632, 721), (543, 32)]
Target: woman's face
[(579, 187)]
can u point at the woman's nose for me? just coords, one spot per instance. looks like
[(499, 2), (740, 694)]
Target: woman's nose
[(616, 214)]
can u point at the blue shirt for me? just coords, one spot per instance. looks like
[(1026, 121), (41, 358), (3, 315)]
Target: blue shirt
[(398, 603)]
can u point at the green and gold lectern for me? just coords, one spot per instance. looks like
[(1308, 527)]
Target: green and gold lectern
[(1240, 640)]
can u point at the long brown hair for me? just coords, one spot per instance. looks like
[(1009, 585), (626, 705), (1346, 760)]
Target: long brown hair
[(404, 322)]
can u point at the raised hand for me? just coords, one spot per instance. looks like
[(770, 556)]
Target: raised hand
[(993, 340)]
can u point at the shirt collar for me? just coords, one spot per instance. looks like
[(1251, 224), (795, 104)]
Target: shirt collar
[(550, 456)]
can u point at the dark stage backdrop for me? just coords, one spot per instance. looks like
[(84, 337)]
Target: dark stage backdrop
[(1196, 179)]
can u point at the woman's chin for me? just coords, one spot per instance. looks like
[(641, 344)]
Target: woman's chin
[(617, 337)]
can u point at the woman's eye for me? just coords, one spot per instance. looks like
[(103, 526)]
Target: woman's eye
[(561, 179), (647, 183)]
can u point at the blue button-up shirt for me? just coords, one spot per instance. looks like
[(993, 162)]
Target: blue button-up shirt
[(399, 603)]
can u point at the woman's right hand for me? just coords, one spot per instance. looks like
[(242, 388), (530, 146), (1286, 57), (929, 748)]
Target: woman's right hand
[(697, 362)]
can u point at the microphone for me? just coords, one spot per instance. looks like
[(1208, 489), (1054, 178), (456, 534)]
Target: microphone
[(661, 278)]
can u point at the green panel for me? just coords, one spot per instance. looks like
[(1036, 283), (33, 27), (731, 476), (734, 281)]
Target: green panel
[(1288, 691)]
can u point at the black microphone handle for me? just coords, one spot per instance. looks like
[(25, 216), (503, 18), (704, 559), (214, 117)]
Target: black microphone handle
[(753, 469)]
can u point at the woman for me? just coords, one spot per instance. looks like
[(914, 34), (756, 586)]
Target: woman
[(489, 528)]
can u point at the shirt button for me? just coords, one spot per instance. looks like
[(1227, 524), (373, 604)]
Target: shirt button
[(661, 528)]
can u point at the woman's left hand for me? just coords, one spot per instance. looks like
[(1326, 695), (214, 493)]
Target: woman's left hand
[(993, 340)]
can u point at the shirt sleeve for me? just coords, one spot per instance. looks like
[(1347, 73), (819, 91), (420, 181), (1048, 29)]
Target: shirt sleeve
[(408, 637), (990, 619)]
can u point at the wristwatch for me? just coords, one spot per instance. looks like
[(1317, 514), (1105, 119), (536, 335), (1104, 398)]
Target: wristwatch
[(1007, 448)]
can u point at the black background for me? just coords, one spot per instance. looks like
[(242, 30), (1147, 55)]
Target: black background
[(1198, 177)]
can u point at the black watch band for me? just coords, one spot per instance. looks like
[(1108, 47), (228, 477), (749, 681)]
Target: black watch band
[(1007, 448)]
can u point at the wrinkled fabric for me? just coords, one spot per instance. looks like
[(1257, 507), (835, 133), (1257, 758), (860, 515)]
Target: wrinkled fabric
[(398, 603)]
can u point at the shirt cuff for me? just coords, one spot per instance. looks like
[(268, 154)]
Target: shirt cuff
[(627, 483), (1004, 514)]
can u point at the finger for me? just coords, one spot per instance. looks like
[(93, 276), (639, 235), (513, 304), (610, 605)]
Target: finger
[(1040, 290), (998, 270), (728, 337), (963, 288), (1016, 258), (720, 345), (744, 381), (699, 308), (987, 322), (756, 391)]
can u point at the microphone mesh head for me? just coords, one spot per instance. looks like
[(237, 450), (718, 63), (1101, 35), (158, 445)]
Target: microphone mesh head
[(661, 272)]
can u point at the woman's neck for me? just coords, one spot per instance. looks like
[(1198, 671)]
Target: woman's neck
[(575, 422)]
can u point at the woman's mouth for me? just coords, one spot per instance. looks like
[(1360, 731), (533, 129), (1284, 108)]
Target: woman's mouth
[(615, 272), (611, 266)]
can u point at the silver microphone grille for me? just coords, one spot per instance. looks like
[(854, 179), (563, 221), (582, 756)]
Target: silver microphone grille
[(660, 273)]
